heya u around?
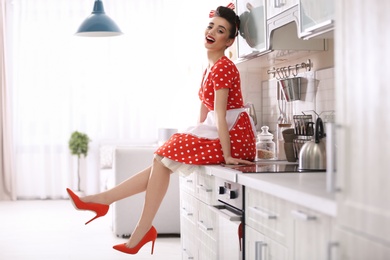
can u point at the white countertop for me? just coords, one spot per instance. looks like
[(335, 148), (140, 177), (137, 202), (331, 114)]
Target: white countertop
[(306, 189)]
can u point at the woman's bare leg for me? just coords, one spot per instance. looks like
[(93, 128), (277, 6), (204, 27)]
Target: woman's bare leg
[(155, 191), (133, 185)]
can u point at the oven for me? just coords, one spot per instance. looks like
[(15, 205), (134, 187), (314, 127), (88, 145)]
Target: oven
[(230, 214)]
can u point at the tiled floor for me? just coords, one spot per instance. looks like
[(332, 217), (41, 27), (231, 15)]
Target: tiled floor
[(53, 230)]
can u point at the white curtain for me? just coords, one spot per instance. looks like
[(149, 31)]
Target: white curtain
[(7, 176), (115, 88)]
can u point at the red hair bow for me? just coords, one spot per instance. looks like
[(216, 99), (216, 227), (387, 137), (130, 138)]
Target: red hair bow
[(230, 6)]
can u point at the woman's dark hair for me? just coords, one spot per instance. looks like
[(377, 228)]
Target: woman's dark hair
[(231, 17)]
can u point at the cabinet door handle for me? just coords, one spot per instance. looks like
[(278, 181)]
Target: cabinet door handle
[(200, 186), (203, 226), (259, 250), (331, 157), (331, 246), (327, 23), (303, 216), (263, 213), (278, 3)]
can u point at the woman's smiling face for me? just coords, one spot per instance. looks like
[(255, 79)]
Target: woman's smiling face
[(217, 34)]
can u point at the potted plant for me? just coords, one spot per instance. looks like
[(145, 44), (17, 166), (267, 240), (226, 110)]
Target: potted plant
[(78, 145)]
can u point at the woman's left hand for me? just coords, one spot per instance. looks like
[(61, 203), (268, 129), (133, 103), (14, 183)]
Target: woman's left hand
[(231, 160)]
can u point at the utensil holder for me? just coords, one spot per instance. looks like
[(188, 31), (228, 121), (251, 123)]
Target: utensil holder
[(291, 88)]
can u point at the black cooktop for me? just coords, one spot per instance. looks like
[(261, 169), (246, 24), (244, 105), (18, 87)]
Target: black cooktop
[(268, 167)]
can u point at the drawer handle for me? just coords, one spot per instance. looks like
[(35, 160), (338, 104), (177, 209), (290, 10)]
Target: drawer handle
[(187, 255), (259, 249), (203, 226), (200, 186), (189, 181), (186, 212), (302, 216), (263, 213)]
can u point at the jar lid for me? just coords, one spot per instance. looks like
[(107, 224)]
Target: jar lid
[(265, 135)]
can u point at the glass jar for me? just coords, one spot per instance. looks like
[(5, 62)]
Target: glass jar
[(265, 147)]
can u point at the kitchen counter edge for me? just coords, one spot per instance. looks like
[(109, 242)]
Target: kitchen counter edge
[(306, 189)]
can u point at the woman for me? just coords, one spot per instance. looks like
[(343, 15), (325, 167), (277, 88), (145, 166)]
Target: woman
[(225, 134)]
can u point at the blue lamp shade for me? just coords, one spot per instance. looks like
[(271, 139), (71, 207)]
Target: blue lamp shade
[(98, 24)]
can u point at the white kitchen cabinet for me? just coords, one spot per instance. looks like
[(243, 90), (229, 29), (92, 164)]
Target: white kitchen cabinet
[(252, 38), (188, 184), (363, 150), (197, 218), (188, 221), (269, 215), (205, 190), (316, 17), (210, 231), (207, 232), (312, 234), (355, 247), (188, 244), (275, 7), (300, 233), (260, 247)]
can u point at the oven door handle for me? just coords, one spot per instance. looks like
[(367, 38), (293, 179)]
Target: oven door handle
[(227, 214)]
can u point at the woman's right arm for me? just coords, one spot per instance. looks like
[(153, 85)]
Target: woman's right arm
[(203, 113)]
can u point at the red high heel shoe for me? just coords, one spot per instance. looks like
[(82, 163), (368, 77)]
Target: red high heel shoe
[(100, 209), (151, 235)]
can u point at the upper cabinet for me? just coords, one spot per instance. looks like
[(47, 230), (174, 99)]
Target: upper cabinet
[(268, 25), (316, 17), (252, 39)]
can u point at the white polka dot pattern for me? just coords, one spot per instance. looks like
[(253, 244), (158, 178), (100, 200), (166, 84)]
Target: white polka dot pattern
[(190, 149)]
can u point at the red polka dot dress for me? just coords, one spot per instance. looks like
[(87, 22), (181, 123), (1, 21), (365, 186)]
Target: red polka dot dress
[(200, 145)]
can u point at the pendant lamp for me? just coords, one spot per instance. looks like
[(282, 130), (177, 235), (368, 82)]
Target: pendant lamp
[(98, 24)]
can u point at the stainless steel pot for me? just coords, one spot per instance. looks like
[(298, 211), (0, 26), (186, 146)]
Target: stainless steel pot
[(312, 155)]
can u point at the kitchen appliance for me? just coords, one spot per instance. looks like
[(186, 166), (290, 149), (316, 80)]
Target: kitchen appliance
[(303, 129), (260, 167), (312, 155), (230, 215)]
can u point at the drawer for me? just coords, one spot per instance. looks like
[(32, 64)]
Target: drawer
[(188, 206), (187, 183), (269, 215), (207, 253), (188, 243), (205, 188), (258, 246), (312, 233), (207, 225)]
